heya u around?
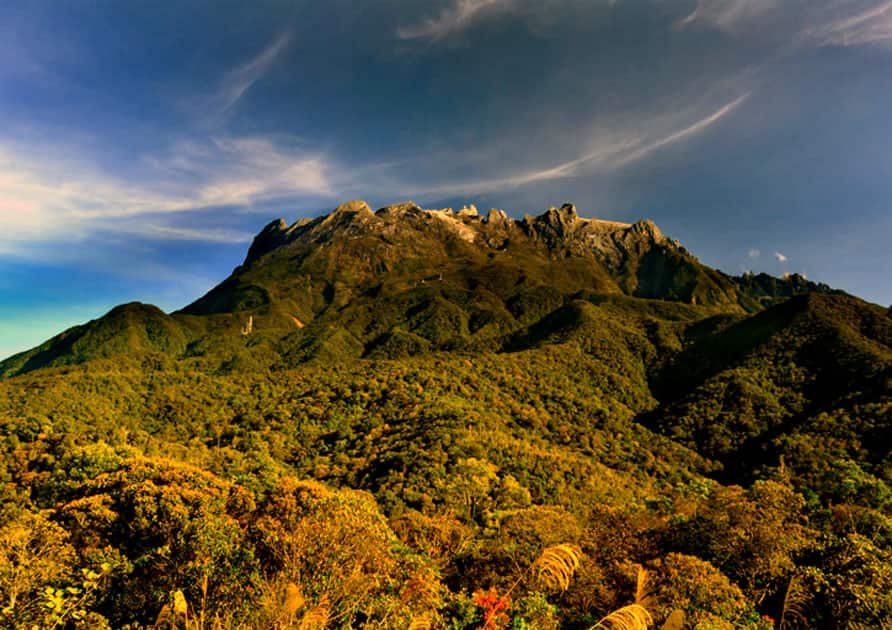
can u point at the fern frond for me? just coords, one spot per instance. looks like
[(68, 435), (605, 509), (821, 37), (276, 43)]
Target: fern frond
[(631, 617), (556, 566), (421, 623), (643, 593), (794, 613), (165, 618)]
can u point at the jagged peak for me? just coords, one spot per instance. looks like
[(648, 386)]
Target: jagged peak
[(399, 209), (566, 212), (356, 205), (649, 228), (278, 225), (558, 228), (497, 217), (299, 224)]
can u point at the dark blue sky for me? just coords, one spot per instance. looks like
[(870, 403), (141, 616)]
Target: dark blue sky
[(143, 143)]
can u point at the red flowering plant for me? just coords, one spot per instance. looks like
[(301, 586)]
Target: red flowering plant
[(495, 607), (553, 570)]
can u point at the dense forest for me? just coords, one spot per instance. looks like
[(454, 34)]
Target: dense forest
[(429, 419)]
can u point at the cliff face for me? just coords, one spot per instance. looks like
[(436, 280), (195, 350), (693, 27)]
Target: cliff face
[(557, 232)]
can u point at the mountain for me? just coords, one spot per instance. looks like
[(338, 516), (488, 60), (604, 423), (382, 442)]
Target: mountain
[(382, 414), (405, 280), (357, 248), (768, 290)]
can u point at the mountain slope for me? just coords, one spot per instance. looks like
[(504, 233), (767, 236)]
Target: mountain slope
[(401, 279), (405, 280), (471, 391), (812, 368), (129, 328)]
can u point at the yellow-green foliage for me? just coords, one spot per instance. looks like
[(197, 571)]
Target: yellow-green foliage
[(753, 535), (174, 524), (339, 551), (34, 555), (697, 588), (449, 471)]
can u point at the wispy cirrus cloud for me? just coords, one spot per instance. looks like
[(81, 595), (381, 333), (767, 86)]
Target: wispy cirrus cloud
[(235, 83), (682, 134), (606, 153), (727, 14), (810, 23), (46, 199), (240, 171), (459, 15), (203, 235), (854, 24)]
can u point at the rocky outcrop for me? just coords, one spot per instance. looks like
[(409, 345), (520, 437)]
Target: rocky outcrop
[(559, 232), (353, 251), (270, 237)]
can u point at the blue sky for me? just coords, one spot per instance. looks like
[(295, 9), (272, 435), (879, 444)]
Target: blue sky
[(143, 144)]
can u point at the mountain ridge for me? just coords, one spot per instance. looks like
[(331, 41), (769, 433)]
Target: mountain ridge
[(406, 265)]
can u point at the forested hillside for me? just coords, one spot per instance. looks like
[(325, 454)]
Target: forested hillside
[(430, 419)]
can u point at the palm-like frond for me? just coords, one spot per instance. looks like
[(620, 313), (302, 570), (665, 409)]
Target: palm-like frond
[(644, 594), (631, 617), (555, 567), (794, 613), (420, 623), (294, 599)]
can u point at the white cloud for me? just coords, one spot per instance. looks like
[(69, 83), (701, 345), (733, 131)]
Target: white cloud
[(682, 134), (208, 235), (456, 17), (754, 253), (781, 258), (607, 153), (797, 24), (245, 170), (240, 79), (727, 14), (44, 199), (853, 24)]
